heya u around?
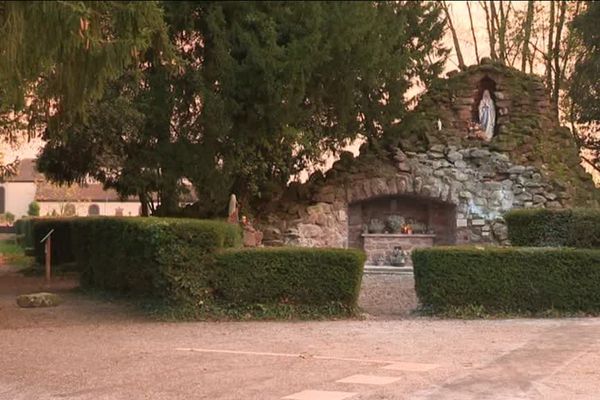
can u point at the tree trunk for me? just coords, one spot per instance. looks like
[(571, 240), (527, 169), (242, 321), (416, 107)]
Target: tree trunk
[(145, 211), (473, 32), (459, 56), (501, 23), (550, 48), (493, 25), (527, 29), (556, 57)]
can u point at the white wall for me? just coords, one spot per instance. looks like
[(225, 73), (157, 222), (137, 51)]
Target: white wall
[(18, 196), (109, 208)]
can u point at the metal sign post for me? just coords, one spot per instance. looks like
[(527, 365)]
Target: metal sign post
[(48, 251)]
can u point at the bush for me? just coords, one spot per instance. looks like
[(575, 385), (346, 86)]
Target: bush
[(298, 276), (167, 259), (24, 232), (542, 227), (62, 246), (510, 280), (34, 209)]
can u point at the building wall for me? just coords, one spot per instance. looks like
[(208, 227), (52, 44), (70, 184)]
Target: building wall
[(109, 208), (18, 196)]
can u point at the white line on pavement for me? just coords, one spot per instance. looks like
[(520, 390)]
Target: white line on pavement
[(293, 355)]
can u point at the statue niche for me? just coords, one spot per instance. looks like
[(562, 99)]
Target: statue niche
[(483, 124)]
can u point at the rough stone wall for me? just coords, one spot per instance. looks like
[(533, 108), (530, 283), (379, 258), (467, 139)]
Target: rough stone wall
[(382, 246), (528, 131), (482, 184), (437, 216)]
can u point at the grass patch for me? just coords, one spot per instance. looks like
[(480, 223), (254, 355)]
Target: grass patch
[(158, 310), (222, 311), (474, 312), (14, 254)]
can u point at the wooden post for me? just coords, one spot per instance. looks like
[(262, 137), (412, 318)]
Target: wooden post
[(48, 250)]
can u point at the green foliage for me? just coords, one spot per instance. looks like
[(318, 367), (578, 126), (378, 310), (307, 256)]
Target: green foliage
[(61, 54), (289, 276), (177, 269), (13, 254), (565, 227), (507, 280), (585, 85), (33, 210), (61, 241), (7, 218), (584, 88), (24, 232), (162, 258), (273, 86)]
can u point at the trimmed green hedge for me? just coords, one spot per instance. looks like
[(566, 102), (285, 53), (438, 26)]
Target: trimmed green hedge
[(509, 280), (24, 232), (62, 248), (164, 258), (542, 227), (289, 275), (194, 269)]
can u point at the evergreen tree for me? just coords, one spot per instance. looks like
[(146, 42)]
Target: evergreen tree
[(260, 90), (585, 84), (57, 55)]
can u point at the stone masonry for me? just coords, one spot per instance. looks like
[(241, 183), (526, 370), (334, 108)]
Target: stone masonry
[(482, 184), (380, 246)]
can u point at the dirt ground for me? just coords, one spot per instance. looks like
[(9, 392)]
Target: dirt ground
[(92, 349)]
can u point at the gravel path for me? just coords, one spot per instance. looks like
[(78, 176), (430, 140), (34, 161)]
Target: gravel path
[(86, 349), (388, 296)]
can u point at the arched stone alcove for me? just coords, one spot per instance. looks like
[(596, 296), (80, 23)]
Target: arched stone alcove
[(485, 83), (426, 216)]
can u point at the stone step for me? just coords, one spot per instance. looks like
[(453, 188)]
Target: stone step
[(387, 269)]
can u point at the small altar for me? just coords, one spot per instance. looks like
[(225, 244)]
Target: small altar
[(381, 247)]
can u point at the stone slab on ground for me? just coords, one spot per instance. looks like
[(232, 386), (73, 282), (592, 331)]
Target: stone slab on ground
[(34, 300)]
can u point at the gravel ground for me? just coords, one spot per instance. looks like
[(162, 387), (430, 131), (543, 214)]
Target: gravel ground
[(388, 296), (87, 349)]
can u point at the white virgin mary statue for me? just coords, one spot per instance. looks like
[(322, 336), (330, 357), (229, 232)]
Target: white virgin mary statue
[(487, 115)]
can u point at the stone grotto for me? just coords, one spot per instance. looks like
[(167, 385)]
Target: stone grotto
[(479, 143)]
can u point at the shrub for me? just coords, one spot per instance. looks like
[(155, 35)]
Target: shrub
[(62, 247), (34, 209), (508, 279), (299, 276), (164, 258), (543, 227), (24, 232)]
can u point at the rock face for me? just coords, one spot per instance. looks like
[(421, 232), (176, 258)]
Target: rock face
[(42, 299), (481, 184), (530, 162)]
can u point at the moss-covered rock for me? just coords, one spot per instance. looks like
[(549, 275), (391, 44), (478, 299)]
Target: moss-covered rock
[(527, 128), (42, 299)]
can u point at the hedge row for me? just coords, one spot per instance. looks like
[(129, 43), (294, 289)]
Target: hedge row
[(62, 246), (508, 279), (193, 265), (554, 228), (24, 232), (163, 258), (289, 275)]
